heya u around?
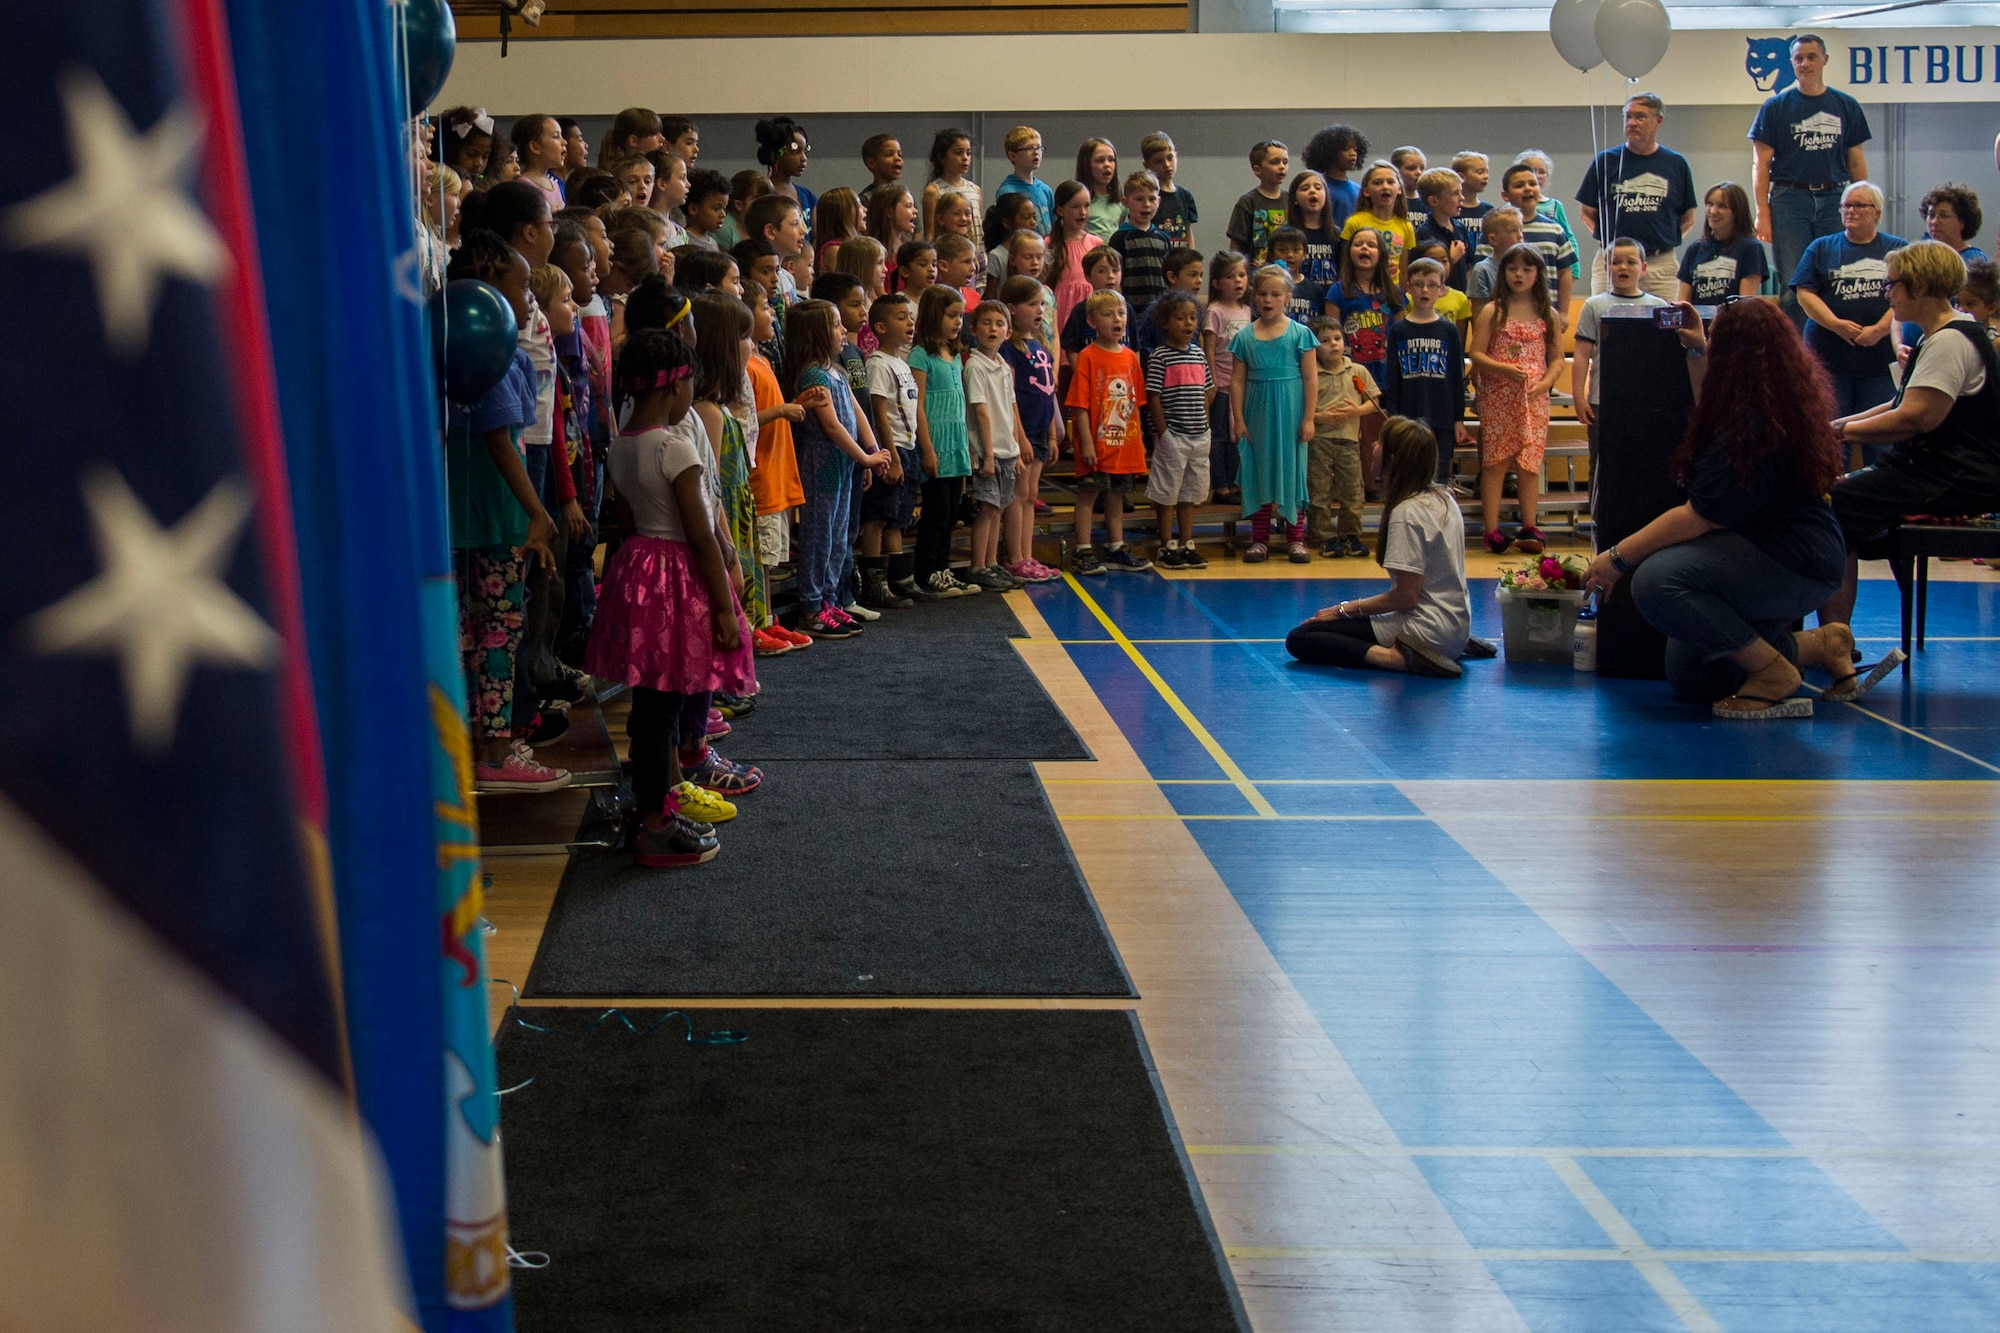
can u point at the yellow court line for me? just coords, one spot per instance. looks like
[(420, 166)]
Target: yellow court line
[(1182, 711)]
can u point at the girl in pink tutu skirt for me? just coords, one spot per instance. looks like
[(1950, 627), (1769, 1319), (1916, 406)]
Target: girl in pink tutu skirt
[(668, 621)]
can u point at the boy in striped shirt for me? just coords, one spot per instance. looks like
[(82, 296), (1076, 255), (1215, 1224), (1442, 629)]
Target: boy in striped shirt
[(1178, 393)]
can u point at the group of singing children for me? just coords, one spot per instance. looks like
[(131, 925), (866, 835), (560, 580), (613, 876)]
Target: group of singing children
[(1330, 313)]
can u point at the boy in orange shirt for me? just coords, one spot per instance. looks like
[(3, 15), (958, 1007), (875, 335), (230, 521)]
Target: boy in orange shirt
[(774, 474), (1106, 389)]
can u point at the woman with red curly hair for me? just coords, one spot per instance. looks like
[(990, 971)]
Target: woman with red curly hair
[(1755, 548)]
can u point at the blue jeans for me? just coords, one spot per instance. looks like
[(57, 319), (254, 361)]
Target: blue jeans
[(1856, 392), (1798, 218), (823, 544), (1717, 595)]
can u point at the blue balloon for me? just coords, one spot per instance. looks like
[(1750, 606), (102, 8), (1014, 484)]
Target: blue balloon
[(473, 335), (430, 41)]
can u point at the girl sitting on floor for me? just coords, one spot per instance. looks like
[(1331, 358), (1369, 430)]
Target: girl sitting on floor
[(1421, 623)]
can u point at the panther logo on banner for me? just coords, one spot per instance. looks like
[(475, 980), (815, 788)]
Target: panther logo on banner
[(1769, 63)]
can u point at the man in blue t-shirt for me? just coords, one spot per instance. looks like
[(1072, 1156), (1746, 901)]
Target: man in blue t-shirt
[(1807, 141), (1642, 192)]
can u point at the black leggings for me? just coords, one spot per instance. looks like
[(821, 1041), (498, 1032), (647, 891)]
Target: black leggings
[(936, 524), (1341, 643), (658, 723)]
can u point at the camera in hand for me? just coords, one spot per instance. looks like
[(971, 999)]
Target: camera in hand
[(1670, 317)]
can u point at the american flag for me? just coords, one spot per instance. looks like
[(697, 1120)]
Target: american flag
[(175, 1109)]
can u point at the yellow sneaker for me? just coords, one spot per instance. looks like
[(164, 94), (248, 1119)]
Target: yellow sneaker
[(699, 803)]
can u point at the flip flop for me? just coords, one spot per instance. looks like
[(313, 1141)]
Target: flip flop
[(1481, 650), (1795, 706), (1851, 687)]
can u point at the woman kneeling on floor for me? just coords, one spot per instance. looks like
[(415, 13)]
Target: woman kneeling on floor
[(1755, 548), (1421, 623)]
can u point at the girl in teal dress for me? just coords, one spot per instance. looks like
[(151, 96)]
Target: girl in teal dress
[(1271, 395)]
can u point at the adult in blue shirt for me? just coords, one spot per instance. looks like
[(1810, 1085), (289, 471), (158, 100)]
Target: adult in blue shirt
[(1842, 283), (1643, 192), (1807, 141), (1951, 217)]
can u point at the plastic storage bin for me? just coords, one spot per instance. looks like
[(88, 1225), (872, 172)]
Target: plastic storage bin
[(1540, 626)]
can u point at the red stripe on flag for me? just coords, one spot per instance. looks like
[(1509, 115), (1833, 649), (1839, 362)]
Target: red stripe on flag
[(247, 345)]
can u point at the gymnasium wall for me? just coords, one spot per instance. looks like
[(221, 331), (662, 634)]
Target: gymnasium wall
[(1217, 94)]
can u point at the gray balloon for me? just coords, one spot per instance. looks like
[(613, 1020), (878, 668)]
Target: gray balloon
[(1633, 35), (1573, 28)]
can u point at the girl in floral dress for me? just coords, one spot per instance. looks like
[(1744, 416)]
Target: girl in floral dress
[(1515, 359)]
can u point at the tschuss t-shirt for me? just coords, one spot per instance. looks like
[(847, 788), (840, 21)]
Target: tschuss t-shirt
[(890, 381), (989, 380), (1642, 197), (1853, 281), (1177, 378), (1717, 269), (1427, 537), (1809, 136)]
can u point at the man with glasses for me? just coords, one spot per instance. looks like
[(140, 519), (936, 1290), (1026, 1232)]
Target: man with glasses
[(1842, 283), (1807, 140), (1643, 192)]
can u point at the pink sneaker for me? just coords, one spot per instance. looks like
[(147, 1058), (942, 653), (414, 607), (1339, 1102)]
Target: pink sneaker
[(1044, 574), (519, 772), (717, 724)]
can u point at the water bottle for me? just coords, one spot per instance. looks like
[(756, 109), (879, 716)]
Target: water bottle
[(1583, 642)]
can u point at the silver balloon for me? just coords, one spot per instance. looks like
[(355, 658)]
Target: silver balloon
[(1633, 35), (1573, 28)]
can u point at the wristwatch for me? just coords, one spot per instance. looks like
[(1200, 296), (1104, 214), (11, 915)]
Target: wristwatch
[(1618, 561)]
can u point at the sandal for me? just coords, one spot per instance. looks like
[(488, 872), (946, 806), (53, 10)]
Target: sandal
[(1768, 709), (1256, 553), (1854, 684)]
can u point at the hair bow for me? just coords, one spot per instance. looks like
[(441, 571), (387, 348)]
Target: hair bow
[(480, 121)]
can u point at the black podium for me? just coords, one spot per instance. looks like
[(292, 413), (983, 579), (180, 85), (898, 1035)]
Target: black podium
[(1644, 405)]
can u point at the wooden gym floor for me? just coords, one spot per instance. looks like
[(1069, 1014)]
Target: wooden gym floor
[(1537, 1001)]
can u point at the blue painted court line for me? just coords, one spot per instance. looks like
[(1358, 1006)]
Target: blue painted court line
[(1468, 1020)]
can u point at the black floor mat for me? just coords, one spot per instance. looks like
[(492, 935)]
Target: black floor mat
[(939, 681), (1005, 1171), (845, 878)]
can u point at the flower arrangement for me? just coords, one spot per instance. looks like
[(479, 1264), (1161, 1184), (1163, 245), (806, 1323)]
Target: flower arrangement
[(1549, 573)]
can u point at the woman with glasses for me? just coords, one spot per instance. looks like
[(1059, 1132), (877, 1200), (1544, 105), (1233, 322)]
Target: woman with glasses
[(1842, 285), (1937, 445), (1951, 217)]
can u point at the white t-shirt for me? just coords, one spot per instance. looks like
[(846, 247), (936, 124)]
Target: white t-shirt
[(1949, 364), (990, 380), (1427, 537), (1591, 317), (644, 466), (539, 342), (890, 381)]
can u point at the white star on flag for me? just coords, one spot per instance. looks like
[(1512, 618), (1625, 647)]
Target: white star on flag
[(126, 209), (159, 603)]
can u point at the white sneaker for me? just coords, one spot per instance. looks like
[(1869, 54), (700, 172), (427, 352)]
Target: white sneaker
[(942, 584), (965, 588), (860, 612)]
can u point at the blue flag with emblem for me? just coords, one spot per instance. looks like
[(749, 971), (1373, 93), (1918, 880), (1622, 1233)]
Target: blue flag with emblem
[(329, 158)]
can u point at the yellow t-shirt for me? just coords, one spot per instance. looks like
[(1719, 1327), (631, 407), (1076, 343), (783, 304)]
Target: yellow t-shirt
[(1456, 306), (1397, 233)]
